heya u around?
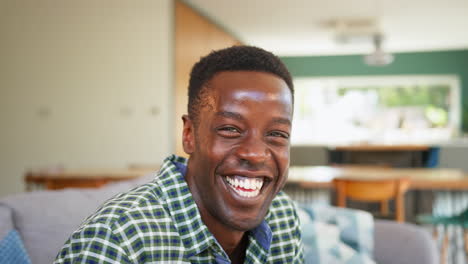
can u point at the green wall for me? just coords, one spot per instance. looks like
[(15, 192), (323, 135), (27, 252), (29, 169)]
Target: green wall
[(438, 62)]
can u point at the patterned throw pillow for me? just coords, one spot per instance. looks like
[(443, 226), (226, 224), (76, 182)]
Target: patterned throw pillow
[(336, 235), (12, 249)]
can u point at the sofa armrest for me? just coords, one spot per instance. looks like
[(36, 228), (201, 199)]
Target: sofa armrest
[(403, 243)]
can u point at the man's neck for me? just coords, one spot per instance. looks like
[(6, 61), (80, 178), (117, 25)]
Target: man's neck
[(238, 254), (233, 242)]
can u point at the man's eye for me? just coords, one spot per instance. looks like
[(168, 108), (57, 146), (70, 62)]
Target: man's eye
[(279, 134), (228, 131)]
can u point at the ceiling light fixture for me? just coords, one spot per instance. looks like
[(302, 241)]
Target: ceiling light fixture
[(378, 57)]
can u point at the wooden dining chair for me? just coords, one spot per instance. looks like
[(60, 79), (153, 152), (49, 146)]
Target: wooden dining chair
[(370, 190)]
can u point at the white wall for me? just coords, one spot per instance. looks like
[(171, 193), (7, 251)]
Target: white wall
[(83, 83)]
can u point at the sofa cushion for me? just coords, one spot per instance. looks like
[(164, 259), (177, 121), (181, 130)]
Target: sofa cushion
[(336, 235)]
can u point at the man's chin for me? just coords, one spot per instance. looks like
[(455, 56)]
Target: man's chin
[(245, 224)]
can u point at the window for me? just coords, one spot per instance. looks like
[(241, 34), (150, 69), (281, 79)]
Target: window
[(381, 110)]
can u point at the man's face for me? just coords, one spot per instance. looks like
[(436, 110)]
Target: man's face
[(239, 152)]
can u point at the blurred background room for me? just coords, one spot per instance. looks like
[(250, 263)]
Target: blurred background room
[(92, 93)]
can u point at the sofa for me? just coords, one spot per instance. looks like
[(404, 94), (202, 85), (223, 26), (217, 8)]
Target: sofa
[(45, 219)]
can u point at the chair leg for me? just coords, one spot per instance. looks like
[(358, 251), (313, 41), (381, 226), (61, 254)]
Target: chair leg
[(445, 244), (340, 194), (384, 207), (400, 208), (465, 240), (435, 233)]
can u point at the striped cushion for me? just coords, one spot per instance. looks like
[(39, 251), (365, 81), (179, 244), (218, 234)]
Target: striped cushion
[(12, 249), (336, 235)]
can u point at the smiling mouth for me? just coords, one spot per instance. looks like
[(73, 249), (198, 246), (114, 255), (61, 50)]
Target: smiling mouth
[(245, 186)]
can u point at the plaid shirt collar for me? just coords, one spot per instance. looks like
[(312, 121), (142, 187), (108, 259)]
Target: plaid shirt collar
[(184, 212)]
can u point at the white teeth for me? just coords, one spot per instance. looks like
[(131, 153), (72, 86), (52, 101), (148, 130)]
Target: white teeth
[(252, 185), (248, 194), (247, 185), (242, 184)]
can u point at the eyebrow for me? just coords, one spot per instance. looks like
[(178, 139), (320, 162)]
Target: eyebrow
[(281, 120), (237, 116), (231, 115)]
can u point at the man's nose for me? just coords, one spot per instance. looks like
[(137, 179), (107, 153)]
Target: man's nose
[(253, 150)]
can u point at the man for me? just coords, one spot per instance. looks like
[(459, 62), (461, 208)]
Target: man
[(223, 204)]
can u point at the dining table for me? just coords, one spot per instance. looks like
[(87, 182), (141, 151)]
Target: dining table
[(311, 177), (61, 178)]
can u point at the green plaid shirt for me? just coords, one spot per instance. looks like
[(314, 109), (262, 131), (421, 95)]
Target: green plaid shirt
[(159, 222)]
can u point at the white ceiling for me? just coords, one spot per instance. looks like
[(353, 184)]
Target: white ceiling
[(295, 27)]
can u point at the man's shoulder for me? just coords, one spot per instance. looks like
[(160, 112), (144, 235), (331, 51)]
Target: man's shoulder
[(124, 227), (141, 202), (147, 206)]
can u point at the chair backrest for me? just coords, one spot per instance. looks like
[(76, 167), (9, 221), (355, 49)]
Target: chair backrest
[(379, 190)]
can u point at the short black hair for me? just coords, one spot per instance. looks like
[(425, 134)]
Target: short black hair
[(235, 58)]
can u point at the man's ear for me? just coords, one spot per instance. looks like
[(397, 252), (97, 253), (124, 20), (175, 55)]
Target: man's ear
[(188, 135)]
